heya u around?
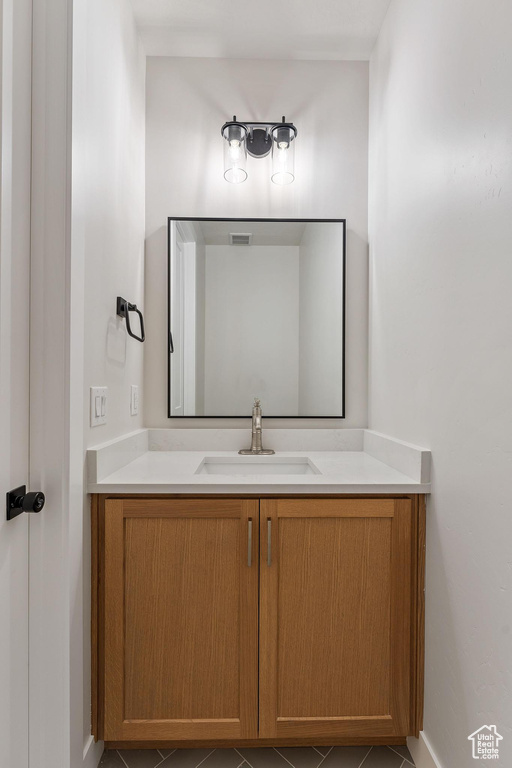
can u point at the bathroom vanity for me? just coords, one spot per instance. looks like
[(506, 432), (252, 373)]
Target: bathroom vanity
[(272, 608)]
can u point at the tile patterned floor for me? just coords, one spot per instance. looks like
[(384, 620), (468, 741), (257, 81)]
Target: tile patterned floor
[(284, 757)]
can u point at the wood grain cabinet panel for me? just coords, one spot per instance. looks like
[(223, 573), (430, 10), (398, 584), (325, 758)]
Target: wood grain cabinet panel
[(335, 617), (181, 614), (243, 621)]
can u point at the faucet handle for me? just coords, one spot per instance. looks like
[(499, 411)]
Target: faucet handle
[(256, 402)]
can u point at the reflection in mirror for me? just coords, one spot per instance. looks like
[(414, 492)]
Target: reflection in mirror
[(256, 309)]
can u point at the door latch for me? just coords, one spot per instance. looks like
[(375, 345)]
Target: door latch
[(18, 501)]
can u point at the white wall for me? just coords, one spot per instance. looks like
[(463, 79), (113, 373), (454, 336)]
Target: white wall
[(188, 100), (113, 144), (321, 322), (252, 329), (108, 236), (441, 333)]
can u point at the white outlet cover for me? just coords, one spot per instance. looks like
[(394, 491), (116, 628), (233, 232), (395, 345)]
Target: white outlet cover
[(98, 406)]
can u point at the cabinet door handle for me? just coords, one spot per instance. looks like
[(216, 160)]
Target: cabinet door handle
[(249, 543), (269, 541)]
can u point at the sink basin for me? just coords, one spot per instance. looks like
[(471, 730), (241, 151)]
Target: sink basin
[(257, 465)]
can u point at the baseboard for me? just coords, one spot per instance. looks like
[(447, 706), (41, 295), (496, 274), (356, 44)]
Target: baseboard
[(93, 751), (422, 752)]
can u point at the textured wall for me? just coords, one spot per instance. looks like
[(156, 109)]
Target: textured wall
[(113, 208), (441, 332), (108, 235), (188, 100)]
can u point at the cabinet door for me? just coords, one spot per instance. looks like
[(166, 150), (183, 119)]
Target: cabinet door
[(181, 619), (335, 617)]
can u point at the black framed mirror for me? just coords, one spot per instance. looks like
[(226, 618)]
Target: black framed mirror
[(256, 308)]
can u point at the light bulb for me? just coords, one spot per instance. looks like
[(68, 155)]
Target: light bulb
[(282, 155), (234, 150)]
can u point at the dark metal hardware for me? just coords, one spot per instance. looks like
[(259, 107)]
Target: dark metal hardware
[(171, 343), (249, 543), (123, 310), (259, 135), (18, 501), (259, 142)]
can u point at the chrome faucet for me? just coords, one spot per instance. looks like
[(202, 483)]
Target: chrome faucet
[(256, 448)]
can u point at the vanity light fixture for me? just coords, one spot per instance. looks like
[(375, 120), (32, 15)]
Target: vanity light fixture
[(258, 140)]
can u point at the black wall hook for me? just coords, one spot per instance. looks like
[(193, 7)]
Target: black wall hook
[(123, 310)]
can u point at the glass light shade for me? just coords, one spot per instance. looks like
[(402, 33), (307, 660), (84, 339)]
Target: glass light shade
[(235, 153), (283, 154)]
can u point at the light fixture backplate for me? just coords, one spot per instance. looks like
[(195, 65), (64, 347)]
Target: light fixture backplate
[(259, 141)]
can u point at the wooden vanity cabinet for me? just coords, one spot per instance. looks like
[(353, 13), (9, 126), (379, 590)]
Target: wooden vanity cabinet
[(271, 621), (335, 617), (179, 640)]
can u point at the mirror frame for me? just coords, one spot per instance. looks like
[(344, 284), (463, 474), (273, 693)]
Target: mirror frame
[(343, 222)]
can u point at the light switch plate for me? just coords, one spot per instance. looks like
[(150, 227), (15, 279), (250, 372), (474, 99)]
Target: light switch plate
[(98, 406), (134, 400)]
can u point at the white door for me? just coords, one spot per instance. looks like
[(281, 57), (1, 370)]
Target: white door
[(44, 712), (15, 190), (189, 328), (183, 321), (177, 395)]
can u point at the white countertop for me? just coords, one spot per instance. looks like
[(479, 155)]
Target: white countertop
[(364, 462)]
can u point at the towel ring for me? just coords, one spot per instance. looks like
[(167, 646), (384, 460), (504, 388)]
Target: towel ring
[(123, 310)]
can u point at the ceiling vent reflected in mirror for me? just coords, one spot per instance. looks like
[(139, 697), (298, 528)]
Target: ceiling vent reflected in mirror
[(240, 238)]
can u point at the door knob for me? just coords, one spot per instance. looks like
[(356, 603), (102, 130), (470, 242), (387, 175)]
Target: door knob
[(18, 501)]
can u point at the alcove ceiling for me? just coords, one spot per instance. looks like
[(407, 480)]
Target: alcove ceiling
[(267, 29), (262, 232)]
